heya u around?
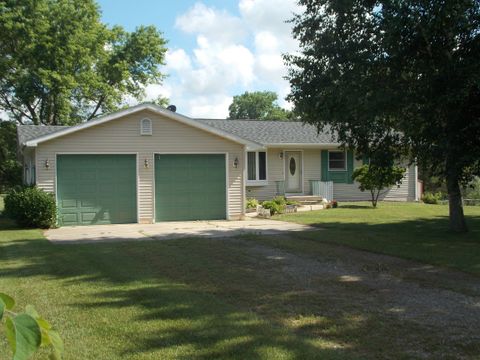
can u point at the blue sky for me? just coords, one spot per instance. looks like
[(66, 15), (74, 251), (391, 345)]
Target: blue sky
[(217, 48), (162, 14)]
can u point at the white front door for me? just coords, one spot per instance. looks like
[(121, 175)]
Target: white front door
[(293, 171)]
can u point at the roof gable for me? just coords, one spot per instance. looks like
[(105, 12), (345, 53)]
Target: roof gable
[(48, 133)]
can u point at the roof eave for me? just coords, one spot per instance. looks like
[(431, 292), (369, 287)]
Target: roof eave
[(303, 145)]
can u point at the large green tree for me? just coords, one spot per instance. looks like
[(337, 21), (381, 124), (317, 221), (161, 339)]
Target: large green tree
[(59, 64), (10, 168), (399, 74), (259, 105)]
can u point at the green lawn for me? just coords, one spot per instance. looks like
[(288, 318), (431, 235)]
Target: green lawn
[(214, 298), (407, 230)]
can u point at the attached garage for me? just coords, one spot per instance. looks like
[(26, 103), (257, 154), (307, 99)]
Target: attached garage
[(143, 164), (190, 187), (96, 189)]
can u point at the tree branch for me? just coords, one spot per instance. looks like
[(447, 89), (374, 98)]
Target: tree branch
[(14, 109), (32, 112), (99, 103)]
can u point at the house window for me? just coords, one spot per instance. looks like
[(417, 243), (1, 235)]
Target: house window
[(256, 166), (146, 127), (337, 161)]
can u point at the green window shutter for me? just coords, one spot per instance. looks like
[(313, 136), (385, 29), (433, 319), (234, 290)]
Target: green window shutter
[(349, 166), (324, 165)]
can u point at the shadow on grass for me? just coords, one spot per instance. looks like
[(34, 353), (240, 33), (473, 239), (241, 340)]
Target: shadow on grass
[(7, 224), (426, 240), (194, 300), (206, 299)]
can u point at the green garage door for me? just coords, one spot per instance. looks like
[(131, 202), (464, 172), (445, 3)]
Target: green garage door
[(190, 187), (96, 189)]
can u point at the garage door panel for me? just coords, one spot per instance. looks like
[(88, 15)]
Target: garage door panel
[(190, 187), (96, 189), (70, 218)]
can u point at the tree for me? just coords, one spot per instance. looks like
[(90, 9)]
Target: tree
[(400, 74), (377, 178), (259, 105), (10, 168), (60, 64)]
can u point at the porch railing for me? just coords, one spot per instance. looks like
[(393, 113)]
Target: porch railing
[(322, 188)]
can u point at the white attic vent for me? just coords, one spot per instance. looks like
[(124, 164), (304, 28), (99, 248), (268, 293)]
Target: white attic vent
[(145, 127)]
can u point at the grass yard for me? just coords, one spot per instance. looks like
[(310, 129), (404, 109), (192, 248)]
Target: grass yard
[(247, 298), (408, 230)]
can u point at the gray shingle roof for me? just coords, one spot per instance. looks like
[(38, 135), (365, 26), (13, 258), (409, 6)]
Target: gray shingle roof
[(272, 132), (29, 132), (259, 131)]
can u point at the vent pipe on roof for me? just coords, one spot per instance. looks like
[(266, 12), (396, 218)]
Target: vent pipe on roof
[(172, 108)]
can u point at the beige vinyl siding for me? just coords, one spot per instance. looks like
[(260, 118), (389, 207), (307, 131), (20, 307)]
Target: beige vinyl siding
[(312, 168), (123, 136), (312, 171), (274, 173), (351, 192)]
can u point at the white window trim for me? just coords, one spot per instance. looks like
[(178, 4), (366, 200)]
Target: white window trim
[(337, 151), (143, 133), (257, 181)]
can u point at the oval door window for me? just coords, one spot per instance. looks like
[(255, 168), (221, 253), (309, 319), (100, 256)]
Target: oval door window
[(292, 166)]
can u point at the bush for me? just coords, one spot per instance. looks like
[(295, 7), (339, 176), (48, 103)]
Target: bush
[(432, 198), (278, 205), (280, 200), (334, 204), (31, 207), (291, 202), (274, 207), (472, 191), (252, 203)]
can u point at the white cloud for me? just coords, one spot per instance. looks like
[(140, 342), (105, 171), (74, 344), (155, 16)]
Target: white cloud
[(153, 91), (212, 23), (232, 54), (177, 60), (211, 106), (270, 15)]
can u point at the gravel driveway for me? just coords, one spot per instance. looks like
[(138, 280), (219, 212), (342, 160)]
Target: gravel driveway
[(443, 300)]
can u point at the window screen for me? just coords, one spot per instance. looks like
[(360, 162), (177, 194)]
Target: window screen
[(336, 160), (262, 165), (252, 166)]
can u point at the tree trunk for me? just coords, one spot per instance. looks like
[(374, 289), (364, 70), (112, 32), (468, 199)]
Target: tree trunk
[(457, 219), (374, 198)]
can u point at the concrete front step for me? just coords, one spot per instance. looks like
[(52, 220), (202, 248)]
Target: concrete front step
[(309, 207), (305, 199), (305, 202)]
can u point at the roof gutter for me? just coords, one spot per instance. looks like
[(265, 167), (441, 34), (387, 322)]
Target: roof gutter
[(303, 145)]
